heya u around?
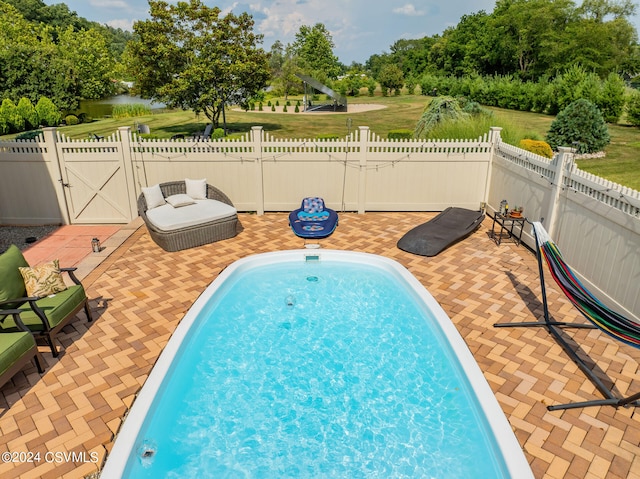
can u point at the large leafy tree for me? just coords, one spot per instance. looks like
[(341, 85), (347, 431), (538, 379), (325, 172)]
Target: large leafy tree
[(527, 36), (62, 63), (314, 46), (30, 64), (92, 63), (187, 55), (462, 50)]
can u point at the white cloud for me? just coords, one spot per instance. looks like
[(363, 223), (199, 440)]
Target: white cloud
[(109, 4), (226, 11), (124, 24), (408, 9), (282, 19)]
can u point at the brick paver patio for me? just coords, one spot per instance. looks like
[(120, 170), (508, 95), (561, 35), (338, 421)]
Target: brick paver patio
[(140, 293)]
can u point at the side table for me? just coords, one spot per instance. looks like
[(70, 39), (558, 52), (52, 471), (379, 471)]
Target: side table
[(507, 225)]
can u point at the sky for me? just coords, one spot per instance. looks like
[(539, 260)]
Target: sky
[(359, 28)]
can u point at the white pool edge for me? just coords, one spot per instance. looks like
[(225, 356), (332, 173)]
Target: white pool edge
[(125, 441)]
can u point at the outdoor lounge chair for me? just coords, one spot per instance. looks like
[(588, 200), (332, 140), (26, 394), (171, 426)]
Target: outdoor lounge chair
[(207, 220), (598, 314), (203, 135), (450, 226), (312, 219), (43, 314), (17, 349)]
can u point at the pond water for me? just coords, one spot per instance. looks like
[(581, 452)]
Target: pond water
[(104, 107)]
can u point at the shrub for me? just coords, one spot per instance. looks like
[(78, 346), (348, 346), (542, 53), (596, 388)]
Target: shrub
[(277, 102), (260, 106), (297, 110), (28, 112), (580, 125), (10, 116), (29, 135), (371, 86), (541, 148), (633, 108), (442, 109), (217, 134), (573, 84), (611, 98), (48, 113), (273, 108), (284, 109), (84, 118), (71, 120), (400, 134)]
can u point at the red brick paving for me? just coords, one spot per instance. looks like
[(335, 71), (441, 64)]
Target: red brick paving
[(140, 293)]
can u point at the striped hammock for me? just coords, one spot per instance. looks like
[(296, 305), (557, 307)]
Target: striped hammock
[(609, 321)]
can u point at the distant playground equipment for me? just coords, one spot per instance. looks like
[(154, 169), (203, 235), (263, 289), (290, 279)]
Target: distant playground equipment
[(339, 102)]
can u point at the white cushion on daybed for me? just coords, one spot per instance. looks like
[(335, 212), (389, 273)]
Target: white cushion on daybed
[(168, 218)]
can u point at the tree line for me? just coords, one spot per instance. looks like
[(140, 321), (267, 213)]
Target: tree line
[(528, 39), (50, 51), (191, 56)]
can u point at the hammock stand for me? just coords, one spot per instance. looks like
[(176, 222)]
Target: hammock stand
[(600, 317)]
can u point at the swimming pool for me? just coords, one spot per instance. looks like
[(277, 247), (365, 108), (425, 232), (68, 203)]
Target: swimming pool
[(322, 364)]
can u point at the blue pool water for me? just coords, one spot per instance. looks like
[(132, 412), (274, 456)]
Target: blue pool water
[(315, 370)]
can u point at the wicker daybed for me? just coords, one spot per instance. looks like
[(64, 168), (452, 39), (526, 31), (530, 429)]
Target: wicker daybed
[(194, 235)]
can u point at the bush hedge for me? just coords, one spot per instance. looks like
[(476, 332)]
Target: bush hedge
[(71, 120), (400, 134), (24, 116), (543, 96), (538, 147)]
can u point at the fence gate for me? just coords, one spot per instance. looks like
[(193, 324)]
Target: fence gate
[(96, 186)]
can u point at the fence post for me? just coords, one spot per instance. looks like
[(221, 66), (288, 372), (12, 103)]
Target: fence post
[(494, 139), (51, 155), (127, 159), (563, 162), (256, 139), (362, 167)]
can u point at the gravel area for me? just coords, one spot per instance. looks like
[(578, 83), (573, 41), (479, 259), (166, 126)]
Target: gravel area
[(21, 236)]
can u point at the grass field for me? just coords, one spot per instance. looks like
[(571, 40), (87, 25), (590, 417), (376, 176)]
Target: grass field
[(621, 164)]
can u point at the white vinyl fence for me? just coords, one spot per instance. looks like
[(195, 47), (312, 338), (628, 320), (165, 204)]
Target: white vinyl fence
[(596, 224)]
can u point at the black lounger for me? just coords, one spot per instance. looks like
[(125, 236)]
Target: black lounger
[(450, 226)]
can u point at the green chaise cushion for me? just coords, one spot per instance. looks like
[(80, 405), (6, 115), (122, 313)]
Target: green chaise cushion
[(56, 307), (11, 283), (12, 347)]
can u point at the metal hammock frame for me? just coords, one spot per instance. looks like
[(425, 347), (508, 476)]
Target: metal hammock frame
[(598, 315)]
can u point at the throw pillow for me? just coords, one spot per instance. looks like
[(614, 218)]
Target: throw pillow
[(153, 196), (180, 200), (197, 189), (43, 280)]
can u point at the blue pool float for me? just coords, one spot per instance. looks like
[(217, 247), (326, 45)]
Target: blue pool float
[(312, 219)]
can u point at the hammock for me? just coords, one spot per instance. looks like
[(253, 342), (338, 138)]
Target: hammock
[(598, 315), (609, 321)]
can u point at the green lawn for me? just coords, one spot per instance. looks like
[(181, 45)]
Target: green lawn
[(621, 165)]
